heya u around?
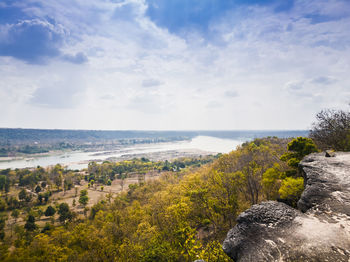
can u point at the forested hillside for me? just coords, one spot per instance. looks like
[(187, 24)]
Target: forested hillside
[(182, 216)]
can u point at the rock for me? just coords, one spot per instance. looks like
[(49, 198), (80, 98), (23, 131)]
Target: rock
[(330, 153), (327, 184), (257, 230), (273, 231)]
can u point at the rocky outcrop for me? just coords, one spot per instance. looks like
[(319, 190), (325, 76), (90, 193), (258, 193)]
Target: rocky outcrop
[(318, 231)]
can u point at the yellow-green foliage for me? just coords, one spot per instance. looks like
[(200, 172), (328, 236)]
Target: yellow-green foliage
[(291, 189), (298, 148), (292, 186), (250, 162), (271, 181), (175, 218), (111, 170)]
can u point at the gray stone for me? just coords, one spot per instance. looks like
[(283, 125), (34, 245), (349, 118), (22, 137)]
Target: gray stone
[(273, 231)]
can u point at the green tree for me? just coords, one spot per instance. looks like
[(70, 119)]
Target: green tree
[(50, 211), (83, 199), (271, 181), (298, 147), (37, 189), (22, 195), (4, 183), (64, 212), (57, 172), (13, 202), (30, 223), (47, 196), (302, 146), (3, 219), (40, 198), (58, 181)]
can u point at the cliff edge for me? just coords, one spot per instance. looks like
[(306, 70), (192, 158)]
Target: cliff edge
[(318, 231)]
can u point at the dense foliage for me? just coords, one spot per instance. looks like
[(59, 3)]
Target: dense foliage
[(298, 148), (108, 171), (182, 216)]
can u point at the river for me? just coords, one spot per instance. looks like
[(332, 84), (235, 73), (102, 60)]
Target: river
[(78, 159)]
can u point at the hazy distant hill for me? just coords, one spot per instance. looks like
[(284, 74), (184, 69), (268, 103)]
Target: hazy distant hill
[(20, 136)]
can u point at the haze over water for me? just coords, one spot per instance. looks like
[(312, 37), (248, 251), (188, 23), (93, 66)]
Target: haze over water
[(72, 159), (209, 143)]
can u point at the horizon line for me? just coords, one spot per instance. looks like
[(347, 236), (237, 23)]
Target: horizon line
[(152, 130)]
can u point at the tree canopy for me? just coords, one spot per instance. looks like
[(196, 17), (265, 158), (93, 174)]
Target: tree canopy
[(181, 216), (332, 130), (50, 211), (298, 148)]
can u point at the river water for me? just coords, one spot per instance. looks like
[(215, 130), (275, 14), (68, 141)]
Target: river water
[(74, 159)]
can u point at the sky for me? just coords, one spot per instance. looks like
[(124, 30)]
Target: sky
[(172, 65)]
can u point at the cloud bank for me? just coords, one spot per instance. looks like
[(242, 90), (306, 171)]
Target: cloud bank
[(152, 64)]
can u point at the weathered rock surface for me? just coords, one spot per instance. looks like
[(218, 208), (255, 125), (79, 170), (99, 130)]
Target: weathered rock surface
[(273, 231)]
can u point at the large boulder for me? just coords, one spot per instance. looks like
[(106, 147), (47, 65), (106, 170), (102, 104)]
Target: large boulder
[(320, 231)]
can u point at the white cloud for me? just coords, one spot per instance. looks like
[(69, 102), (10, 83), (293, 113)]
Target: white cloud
[(269, 70)]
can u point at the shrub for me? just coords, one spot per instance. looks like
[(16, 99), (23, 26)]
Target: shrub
[(298, 148), (291, 189)]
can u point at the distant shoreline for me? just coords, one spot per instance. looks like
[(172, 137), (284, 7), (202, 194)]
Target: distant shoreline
[(79, 154), (42, 136)]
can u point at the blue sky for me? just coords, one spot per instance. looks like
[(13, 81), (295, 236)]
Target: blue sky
[(178, 16), (175, 64)]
